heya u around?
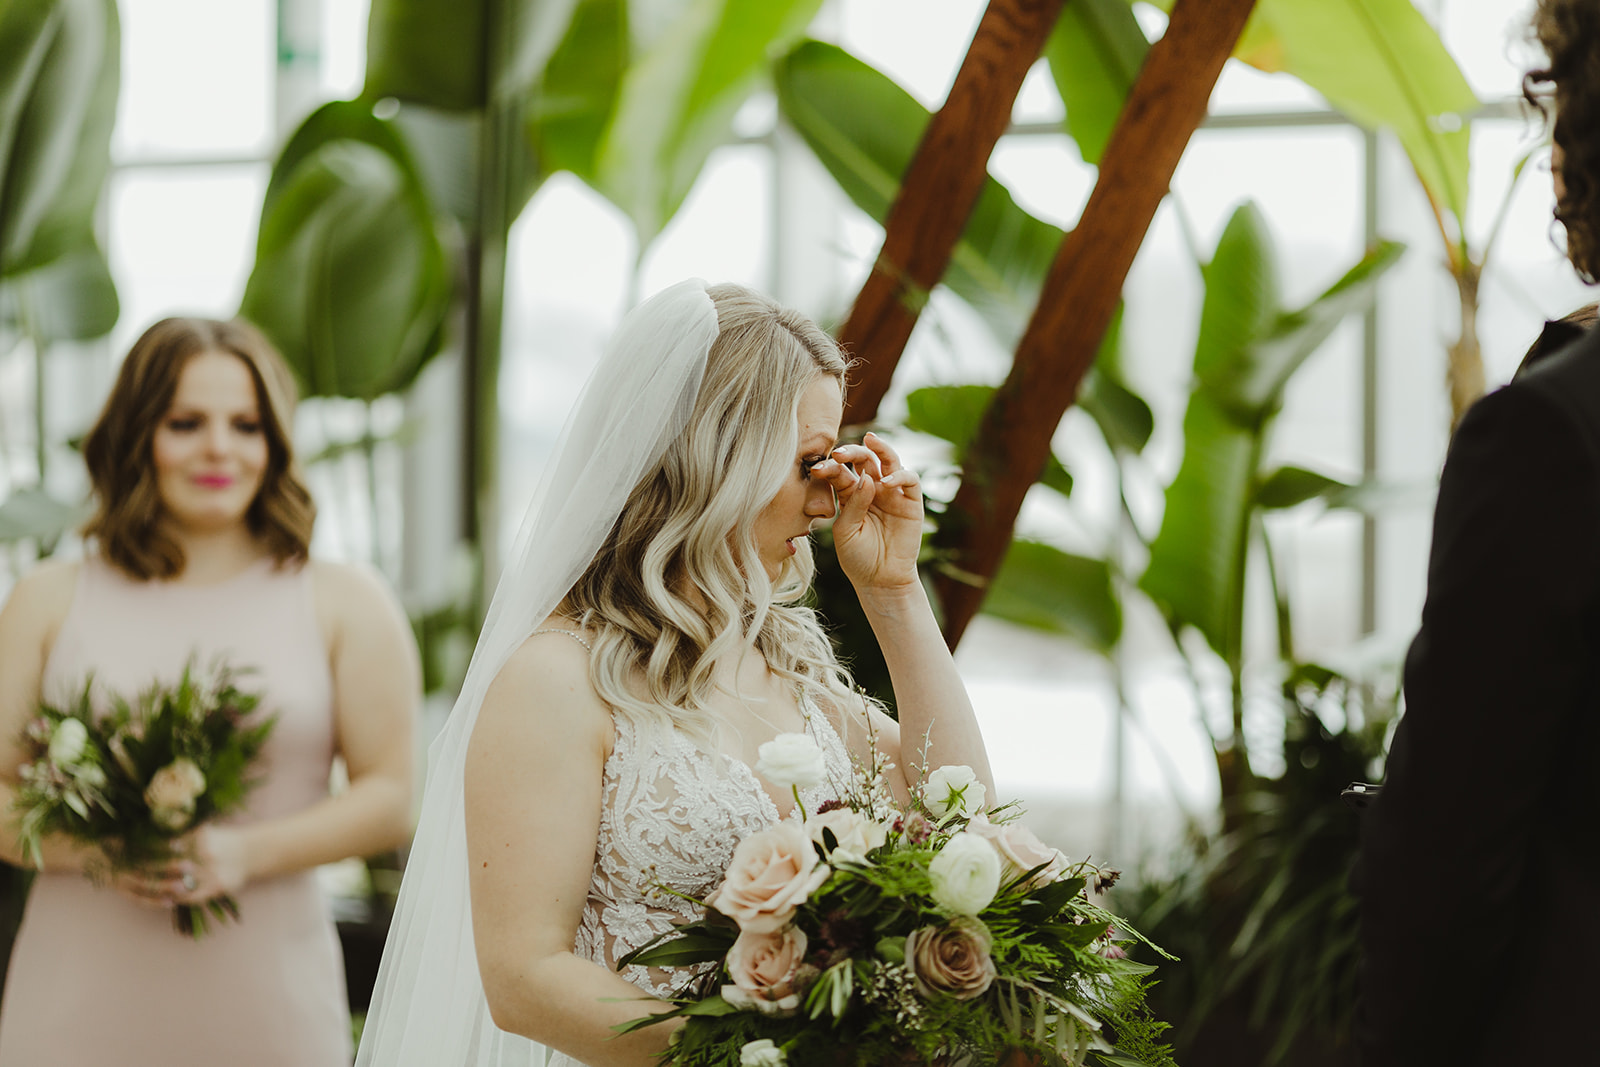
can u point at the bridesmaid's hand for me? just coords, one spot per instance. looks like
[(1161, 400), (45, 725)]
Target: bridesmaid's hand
[(878, 532), (213, 863)]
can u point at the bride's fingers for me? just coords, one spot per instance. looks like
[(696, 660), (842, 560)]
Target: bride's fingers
[(863, 459), (888, 459), (856, 502)]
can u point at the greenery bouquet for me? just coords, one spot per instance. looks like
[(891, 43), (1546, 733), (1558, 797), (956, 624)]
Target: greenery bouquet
[(867, 934), (133, 780)]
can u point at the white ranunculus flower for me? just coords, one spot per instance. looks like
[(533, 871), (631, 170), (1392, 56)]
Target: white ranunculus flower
[(792, 761), (762, 1053), (954, 788), (965, 874), (71, 737), (854, 834)]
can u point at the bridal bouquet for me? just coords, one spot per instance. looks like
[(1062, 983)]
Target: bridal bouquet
[(866, 934), (133, 780)]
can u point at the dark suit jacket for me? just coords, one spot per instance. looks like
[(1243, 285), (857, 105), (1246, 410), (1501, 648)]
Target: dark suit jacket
[(1480, 862)]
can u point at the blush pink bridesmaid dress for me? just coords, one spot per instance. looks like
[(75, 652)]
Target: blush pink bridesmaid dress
[(96, 979)]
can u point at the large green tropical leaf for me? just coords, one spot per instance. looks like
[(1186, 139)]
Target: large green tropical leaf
[(953, 412), (59, 66), (1379, 62), (1125, 420), (1095, 53), (1246, 353), (865, 128), (351, 280), (1044, 588), (679, 96), (571, 106), (452, 55), (70, 298)]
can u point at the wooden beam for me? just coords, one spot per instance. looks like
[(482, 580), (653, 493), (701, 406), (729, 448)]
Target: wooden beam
[(1167, 102), (938, 193)]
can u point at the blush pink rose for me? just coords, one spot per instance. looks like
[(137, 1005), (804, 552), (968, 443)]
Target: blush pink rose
[(1021, 850), (767, 971), (772, 874)]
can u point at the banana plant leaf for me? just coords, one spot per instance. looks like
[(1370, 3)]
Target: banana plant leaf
[(1382, 64), (953, 412), (1043, 588), (572, 104), (351, 280), (1124, 418), (70, 298), (1290, 486), (1095, 53), (59, 71), (864, 129), (1248, 349), (689, 74), (440, 54)]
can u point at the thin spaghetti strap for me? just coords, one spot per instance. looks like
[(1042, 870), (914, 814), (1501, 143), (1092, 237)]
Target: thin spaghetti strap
[(570, 633)]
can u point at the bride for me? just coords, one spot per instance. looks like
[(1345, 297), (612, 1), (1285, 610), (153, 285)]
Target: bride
[(645, 641)]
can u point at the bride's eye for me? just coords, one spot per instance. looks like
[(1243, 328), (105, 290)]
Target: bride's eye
[(806, 465)]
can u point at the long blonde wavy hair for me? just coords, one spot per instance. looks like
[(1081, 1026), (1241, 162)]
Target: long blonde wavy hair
[(678, 587)]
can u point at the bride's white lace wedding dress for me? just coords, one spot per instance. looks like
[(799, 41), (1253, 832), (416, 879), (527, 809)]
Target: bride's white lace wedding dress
[(672, 815)]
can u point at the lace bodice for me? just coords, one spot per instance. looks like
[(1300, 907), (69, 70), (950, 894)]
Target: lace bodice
[(672, 815)]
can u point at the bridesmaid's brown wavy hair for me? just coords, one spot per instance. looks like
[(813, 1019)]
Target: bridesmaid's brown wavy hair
[(120, 456), (1569, 30)]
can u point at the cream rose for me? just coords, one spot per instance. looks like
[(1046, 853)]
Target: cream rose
[(952, 959), (762, 1053), (854, 834), (766, 970), (172, 793), (1020, 850), (68, 742), (772, 874), (792, 761), (954, 788), (965, 874)]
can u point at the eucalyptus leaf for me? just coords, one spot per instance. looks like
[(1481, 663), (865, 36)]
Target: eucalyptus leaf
[(59, 68), (350, 280), (1095, 53), (1044, 588), (679, 96), (864, 129)]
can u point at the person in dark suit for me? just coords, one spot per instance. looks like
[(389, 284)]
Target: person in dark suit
[(1480, 860)]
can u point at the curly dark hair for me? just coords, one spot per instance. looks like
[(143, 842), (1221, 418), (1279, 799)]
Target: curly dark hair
[(1569, 30)]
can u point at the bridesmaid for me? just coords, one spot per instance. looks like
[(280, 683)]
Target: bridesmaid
[(198, 550)]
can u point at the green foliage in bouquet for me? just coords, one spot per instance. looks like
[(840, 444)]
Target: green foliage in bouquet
[(133, 780), (938, 934)]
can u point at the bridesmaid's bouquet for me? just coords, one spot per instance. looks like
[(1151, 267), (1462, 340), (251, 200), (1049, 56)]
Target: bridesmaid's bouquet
[(133, 780), (866, 934)]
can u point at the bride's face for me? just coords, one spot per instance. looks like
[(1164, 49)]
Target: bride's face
[(802, 502)]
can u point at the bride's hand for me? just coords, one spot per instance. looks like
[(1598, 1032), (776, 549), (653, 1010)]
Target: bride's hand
[(878, 532)]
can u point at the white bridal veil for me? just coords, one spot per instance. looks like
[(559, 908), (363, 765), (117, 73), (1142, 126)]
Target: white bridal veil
[(428, 1009)]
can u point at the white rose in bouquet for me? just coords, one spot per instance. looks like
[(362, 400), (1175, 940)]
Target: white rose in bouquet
[(1021, 850), (172, 793), (965, 874), (854, 834), (792, 761), (68, 742), (762, 1053), (954, 789)]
